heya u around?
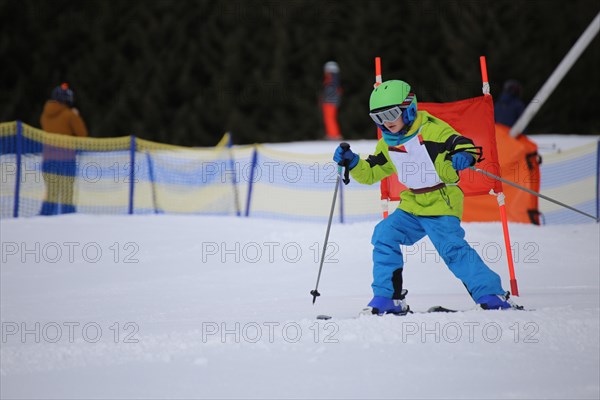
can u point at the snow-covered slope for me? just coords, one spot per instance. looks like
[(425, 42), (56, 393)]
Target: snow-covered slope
[(219, 307)]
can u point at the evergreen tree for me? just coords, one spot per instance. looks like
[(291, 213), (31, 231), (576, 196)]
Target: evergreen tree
[(185, 72)]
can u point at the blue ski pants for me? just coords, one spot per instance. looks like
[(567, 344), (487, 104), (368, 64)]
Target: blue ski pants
[(448, 238)]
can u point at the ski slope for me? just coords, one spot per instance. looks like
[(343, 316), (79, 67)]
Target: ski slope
[(219, 307)]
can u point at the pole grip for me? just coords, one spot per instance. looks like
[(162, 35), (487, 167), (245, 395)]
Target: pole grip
[(345, 146)]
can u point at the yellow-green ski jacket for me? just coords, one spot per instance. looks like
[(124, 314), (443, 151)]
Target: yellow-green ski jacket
[(423, 165)]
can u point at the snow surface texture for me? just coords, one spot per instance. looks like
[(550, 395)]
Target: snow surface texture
[(219, 307)]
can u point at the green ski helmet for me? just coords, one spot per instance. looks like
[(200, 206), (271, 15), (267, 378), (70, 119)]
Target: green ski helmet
[(394, 93)]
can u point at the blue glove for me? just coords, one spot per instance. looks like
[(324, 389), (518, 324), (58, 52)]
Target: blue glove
[(340, 156), (462, 160)]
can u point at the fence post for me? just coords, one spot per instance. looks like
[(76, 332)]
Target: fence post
[(598, 181), (19, 152), (152, 181), (132, 148), (251, 182), (236, 196)]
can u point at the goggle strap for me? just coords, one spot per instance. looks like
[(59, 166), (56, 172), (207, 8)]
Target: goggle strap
[(409, 99)]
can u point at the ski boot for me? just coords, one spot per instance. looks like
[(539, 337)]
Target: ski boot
[(497, 302), (382, 305)]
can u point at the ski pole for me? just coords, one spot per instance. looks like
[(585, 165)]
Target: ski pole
[(315, 293), (534, 193)]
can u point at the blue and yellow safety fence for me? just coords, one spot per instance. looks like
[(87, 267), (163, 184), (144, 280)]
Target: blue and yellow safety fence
[(44, 173)]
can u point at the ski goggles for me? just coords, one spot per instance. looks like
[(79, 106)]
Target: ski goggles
[(389, 115)]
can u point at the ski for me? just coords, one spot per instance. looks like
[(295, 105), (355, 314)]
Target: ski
[(324, 317), (440, 309), (433, 309)]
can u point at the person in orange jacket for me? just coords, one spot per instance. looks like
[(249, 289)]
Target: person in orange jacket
[(60, 117), (330, 100)]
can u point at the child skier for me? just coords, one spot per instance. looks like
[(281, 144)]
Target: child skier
[(426, 153)]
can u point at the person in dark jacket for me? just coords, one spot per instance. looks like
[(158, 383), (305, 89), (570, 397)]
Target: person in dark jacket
[(509, 106), (60, 117)]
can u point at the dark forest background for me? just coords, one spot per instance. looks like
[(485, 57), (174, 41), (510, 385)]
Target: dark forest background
[(184, 72)]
